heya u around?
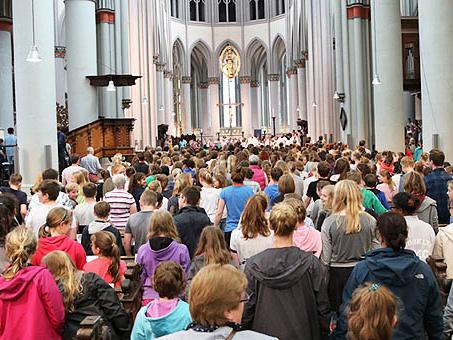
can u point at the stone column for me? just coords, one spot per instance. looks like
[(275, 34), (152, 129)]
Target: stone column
[(6, 65), (247, 111), (409, 106), (186, 106), (302, 88), (81, 60), (205, 121), (213, 105), (169, 107), (293, 100), (105, 22), (274, 84), (388, 97), (436, 49), (35, 89), (255, 106), (160, 95)]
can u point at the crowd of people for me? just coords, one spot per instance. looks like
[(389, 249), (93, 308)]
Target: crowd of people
[(236, 240)]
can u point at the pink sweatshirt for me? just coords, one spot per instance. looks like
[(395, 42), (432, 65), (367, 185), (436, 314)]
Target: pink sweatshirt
[(308, 239), (31, 307)]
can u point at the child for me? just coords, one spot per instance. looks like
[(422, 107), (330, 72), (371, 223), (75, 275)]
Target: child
[(53, 236), (102, 222), (72, 189), (108, 264), (163, 245), (86, 294), (371, 182), (372, 313), (30, 304), (84, 213), (166, 314), (305, 237)]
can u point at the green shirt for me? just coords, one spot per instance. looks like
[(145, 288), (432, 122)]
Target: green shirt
[(371, 201)]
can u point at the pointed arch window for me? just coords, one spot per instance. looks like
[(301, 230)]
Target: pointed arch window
[(174, 8), (256, 9), (227, 10), (197, 10), (279, 7)]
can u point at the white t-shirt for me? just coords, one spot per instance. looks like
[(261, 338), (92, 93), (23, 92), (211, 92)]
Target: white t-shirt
[(38, 215), (209, 200), (247, 248), (420, 237)]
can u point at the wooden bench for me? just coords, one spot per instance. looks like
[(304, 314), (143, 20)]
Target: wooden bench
[(92, 328)]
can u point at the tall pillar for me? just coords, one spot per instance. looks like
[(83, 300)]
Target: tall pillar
[(409, 106), (274, 84), (292, 97), (255, 105), (169, 107), (205, 121), (302, 89), (436, 49), (388, 97), (160, 95), (246, 109), (81, 61), (6, 65), (187, 108), (105, 22), (213, 104), (35, 89)]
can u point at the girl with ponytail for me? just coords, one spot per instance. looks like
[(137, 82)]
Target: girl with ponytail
[(209, 196), (405, 275), (86, 294), (108, 264), (54, 236), (30, 304)]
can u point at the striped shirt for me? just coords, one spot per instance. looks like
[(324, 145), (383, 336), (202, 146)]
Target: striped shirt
[(120, 204)]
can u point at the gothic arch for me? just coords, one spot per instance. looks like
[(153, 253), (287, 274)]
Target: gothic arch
[(201, 47), (178, 50), (256, 55), (277, 53)]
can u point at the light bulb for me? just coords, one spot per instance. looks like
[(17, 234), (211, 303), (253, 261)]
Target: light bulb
[(33, 55)]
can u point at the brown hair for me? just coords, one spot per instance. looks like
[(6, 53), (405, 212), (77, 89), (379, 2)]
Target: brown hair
[(414, 183), (206, 176), (372, 313), (55, 217), (162, 224), (298, 207), (283, 219), (437, 157), (169, 280), (286, 184), (102, 209), (106, 242), (20, 245), (51, 188), (15, 179), (253, 219), (213, 246), (89, 190), (215, 289)]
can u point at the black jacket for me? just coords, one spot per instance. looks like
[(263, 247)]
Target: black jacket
[(288, 295), (98, 298), (86, 237), (190, 222)]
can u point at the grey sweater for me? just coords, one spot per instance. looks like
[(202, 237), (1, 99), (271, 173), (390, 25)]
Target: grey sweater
[(345, 250)]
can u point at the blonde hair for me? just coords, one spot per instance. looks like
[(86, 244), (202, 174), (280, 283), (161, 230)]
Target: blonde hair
[(348, 199), (71, 186), (65, 274), (80, 178), (215, 289), (182, 181), (330, 191), (298, 207), (20, 244), (162, 224), (206, 176), (386, 174), (55, 218), (372, 313), (283, 219)]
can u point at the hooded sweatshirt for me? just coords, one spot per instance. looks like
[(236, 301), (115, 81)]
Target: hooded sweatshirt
[(413, 283), (93, 228), (148, 328), (308, 239), (427, 212), (288, 295), (150, 258), (31, 306), (443, 248), (60, 242)]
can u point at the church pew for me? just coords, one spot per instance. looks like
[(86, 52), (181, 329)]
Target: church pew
[(92, 328)]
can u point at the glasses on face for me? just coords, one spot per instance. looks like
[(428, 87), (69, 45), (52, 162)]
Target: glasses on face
[(245, 299)]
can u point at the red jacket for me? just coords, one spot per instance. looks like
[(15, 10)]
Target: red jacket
[(60, 242), (31, 307)]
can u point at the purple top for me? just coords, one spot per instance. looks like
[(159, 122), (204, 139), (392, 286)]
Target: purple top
[(150, 259)]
